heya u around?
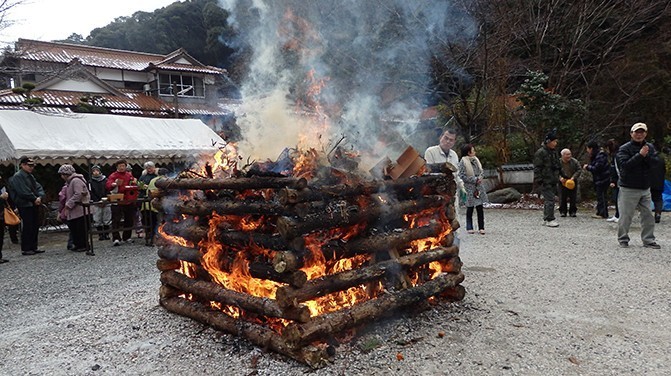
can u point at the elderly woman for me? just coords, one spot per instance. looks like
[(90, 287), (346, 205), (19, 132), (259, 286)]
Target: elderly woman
[(470, 172), (76, 193)]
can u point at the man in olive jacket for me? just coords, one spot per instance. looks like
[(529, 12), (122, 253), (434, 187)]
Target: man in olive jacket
[(635, 161), (27, 195), (546, 176)]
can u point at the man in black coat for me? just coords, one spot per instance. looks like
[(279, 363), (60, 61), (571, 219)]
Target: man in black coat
[(27, 195), (635, 161)]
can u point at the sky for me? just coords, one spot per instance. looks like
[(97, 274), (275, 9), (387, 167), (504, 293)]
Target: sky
[(57, 19)]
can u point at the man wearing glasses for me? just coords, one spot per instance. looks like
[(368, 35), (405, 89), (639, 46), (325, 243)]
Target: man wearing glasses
[(27, 195), (635, 161)]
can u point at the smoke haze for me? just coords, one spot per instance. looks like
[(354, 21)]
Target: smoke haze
[(352, 65)]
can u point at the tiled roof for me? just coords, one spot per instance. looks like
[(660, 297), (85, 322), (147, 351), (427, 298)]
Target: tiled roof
[(133, 103), (105, 57)]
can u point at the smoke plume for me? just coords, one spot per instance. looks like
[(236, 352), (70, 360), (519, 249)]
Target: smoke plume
[(319, 70)]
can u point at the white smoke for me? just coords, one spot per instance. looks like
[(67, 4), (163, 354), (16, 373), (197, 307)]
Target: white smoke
[(372, 57)]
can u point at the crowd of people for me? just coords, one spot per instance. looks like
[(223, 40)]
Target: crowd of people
[(83, 205), (634, 173)]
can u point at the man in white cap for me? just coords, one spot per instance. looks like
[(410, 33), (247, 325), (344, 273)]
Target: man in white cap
[(635, 160)]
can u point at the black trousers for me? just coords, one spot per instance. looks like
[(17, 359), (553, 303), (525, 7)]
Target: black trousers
[(602, 200), (657, 200), (568, 199), (127, 214), (149, 222), (469, 217), (30, 228), (77, 228)]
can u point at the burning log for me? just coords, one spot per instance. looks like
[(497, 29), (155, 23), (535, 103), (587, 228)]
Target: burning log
[(257, 334), (264, 271), (177, 252), (335, 249), (238, 184), (210, 291), (335, 322), (289, 296), (419, 185), (164, 265), (195, 234), (291, 228), (203, 208)]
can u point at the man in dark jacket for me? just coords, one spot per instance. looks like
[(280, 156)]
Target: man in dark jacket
[(27, 195), (600, 169), (101, 211), (546, 176), (635, 161)]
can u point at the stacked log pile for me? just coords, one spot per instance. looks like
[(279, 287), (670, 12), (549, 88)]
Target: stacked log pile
[(395, 235)]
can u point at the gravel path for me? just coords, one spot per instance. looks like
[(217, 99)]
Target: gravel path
[(564, 301)]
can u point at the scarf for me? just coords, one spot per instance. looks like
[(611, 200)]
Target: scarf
[(468, 165)]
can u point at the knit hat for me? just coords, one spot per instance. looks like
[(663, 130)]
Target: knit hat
[(96, 167), (66, 169), (149, 164), (551, 136)]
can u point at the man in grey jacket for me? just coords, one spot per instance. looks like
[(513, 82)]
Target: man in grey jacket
[(27, 195), (635, 160)]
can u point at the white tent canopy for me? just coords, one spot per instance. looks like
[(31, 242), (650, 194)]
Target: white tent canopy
[(96, 138)]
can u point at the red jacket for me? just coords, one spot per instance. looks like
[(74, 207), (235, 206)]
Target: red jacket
[(126, 179)]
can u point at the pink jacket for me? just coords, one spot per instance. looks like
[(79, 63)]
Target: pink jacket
[(76, 193)]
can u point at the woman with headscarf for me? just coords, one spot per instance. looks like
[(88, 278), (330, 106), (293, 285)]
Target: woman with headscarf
[(471, 173)]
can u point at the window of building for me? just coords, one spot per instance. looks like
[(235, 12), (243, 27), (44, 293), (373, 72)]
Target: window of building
[(185, 86)]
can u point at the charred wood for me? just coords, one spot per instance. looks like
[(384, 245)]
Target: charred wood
[(238, 184), (336, 249), (265, 271), (210, 291), (205, 208), (177, 252), (195, 234), (415, 186), (369, 310), (291, 228), (260, 336), (314, 288), (164, 265)]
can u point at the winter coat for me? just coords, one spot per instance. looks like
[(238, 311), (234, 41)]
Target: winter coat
[(145, 179), (635, 169), (76, 194), (98, 190), (600, 168), (546, 167), (658, 175), (570, 169), (475, 190), (126, 179), (24, 189)]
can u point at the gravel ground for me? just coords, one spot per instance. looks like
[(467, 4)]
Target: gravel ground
[(564, 301)]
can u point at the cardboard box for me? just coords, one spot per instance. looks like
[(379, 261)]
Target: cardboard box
[(114, 197)]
